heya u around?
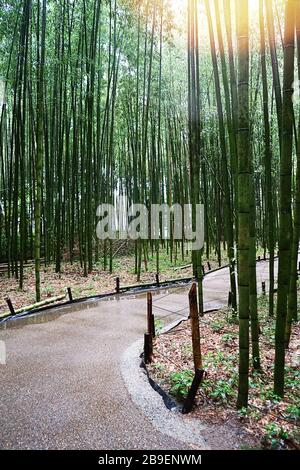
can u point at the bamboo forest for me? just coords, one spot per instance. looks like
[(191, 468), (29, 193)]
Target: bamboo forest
[(150, 190)]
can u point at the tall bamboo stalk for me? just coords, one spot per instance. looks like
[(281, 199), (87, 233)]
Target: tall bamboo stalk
[(285, 233), (40, 150), (243, 198)]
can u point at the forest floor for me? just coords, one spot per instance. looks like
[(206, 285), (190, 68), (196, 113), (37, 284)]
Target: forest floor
[(97, 282), (269, 422)]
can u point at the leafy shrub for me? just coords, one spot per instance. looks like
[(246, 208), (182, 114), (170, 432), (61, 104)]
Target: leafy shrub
[(181, 383), (222, 390), (274, 436), (293, 412)]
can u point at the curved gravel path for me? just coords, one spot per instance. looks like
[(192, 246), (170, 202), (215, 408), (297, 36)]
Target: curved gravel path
[(63, 385)]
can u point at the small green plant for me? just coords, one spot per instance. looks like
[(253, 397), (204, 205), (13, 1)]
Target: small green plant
[(233, 318), (275, 436), (187, 350), (267, 394), (220, 358), (248, 413), (159, 367), (243, 412), (180, 383), (160, 370), (292, 378), (293, 412), (217, 325), (269, 332), (222, 390), (159, 325), (48, 291), (215, 357), (254, 414), (93, 292), (227, 338)]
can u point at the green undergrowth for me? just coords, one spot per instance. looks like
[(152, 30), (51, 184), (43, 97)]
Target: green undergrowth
[(279, 420)]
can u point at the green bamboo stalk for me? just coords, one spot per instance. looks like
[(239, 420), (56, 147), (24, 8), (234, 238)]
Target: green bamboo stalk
[(243, 199), (285, 234)]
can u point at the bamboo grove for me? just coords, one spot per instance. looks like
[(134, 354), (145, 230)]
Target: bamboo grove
[(100, 98)]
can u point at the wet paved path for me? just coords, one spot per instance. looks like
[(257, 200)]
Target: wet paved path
[(62, 386)]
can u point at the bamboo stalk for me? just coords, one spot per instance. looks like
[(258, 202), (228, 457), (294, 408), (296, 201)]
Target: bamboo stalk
[(36, 305)]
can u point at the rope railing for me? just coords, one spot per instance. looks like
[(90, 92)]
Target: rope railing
[(219, 272)]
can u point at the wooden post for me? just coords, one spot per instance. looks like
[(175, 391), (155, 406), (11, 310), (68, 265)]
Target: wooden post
[(157, 280), (229, 299), (263, 286), (149, 313), (208, 265), (190, 399), (153, 326), (194, 316), (258, 259), (203, 269), (147, 352), (150, 317), (117, 285), (70, 294), (10, 305)]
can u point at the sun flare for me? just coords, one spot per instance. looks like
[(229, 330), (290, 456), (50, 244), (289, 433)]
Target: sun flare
[(180, 5)]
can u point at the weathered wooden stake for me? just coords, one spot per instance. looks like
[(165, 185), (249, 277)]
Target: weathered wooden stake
[(208, 265), (190, 399), (70, 294), (153, 326), (117, 285), (10, 305), (147, 348), (149, 314), (194, 316), (263, 286), (229, 299), (157, 280)]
